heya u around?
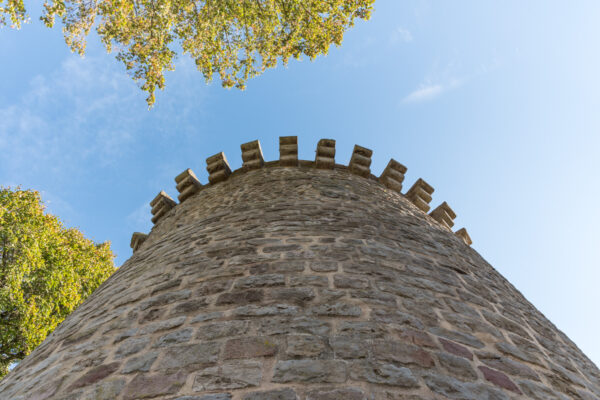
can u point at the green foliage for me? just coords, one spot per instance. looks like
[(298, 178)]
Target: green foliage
[(236, 39), (46, 271)]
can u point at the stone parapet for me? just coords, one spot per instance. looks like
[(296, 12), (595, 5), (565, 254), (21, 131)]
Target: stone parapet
[(420, 194)]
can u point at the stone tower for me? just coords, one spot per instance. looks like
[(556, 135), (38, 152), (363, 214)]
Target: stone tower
[(303, 280)]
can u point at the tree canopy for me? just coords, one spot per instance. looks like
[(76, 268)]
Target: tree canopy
[(46, 271), (235, 39)]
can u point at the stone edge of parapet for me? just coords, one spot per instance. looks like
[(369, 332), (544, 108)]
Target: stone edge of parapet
[(392, 177)]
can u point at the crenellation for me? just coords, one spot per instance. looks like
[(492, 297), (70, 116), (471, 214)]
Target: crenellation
[(137, 239), (420, 194), (218, 168), (444, 215), (161, 204), (187, 184), (360, 161), (252, 155), (325, 157), (464, 235), (288, 151), (393, 175)]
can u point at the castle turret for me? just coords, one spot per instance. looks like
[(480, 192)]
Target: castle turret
[(304, 280)]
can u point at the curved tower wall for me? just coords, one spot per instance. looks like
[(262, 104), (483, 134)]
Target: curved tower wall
[(297, 282)]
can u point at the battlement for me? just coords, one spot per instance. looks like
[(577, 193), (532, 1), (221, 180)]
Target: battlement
[(419, 194)]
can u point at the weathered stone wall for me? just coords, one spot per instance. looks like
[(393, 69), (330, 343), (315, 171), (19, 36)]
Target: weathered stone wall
[(300, 283)]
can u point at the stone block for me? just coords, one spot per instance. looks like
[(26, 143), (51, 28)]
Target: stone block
[(241, 297), (456, 349), (337, 310), (325, 157), (161, 204), (419, 338), (508, 366), (228, 376), (94, 375), (256, 281), (180, 357), (403, 353), (310, 371), (304, 346), (137, 239), (189, 307), (420, 194), (162, 325), (165, 298), (169, 284), (252, 155), (105, 390), (346, 347), (265, 311), (323, 266), (249, 347), (298, 296), (140, 364), (309, 280), (393, 175), (448, 387), (218, 330), (177, 337), (350, 282), (131, 346), (360, 161), (145, 386), (218, 168), (460, 337), (187, 184), (383, 373), (464, 235), (288, 151), (207, 317), (499, 379), (457, 366), (444, 215), (365, 330)]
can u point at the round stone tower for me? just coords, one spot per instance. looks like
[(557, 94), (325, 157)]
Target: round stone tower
[(302, 280)]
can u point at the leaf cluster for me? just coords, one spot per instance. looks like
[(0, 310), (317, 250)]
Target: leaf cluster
[(234, 39), (46, 271)]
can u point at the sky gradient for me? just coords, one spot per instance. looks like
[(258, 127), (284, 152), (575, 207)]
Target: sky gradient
[(495, 104)]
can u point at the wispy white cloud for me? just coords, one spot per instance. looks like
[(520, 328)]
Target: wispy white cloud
[(401, 35), (428, 91)]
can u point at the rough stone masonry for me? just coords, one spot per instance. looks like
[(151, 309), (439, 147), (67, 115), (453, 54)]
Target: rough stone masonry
[(303, 280)]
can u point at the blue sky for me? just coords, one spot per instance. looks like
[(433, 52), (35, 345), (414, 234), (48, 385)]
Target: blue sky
[(493, 103)]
